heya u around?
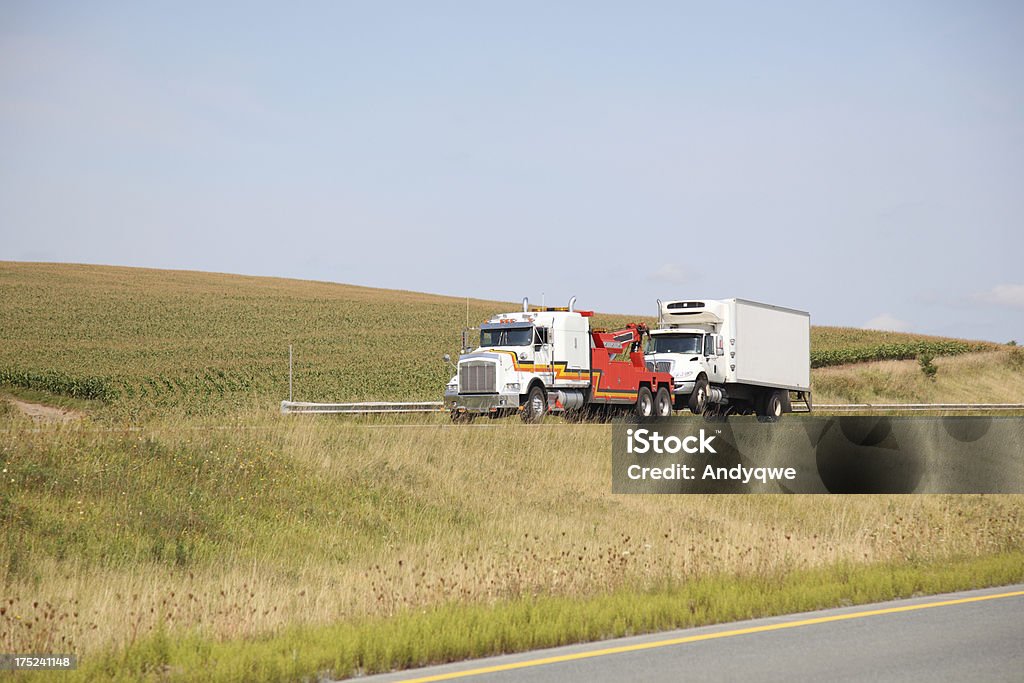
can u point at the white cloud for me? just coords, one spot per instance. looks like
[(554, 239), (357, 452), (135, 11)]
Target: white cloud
[(886, 322), (1010, 296), (671, 274)]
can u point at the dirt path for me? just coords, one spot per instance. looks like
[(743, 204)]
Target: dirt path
[(44, 413)]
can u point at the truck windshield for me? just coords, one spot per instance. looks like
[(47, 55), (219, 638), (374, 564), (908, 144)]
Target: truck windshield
[(519, 335), (674, 343)]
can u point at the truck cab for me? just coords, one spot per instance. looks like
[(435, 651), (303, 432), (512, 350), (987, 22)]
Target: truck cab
[(544, 360), (688, 354), (546, 348)]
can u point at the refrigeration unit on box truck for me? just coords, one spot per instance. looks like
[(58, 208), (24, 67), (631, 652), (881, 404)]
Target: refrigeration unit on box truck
[(733, 356)]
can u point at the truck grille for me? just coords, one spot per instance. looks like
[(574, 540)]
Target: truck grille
[(660, 366), (477, 377)]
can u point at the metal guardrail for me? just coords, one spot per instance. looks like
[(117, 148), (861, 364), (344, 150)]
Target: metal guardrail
[(870, 407), (364, 408), (381, 407)]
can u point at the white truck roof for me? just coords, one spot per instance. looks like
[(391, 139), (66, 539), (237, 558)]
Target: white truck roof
[(685, 312), (531, 317)]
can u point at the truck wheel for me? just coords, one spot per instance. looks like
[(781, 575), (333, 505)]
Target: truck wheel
[(771, 409), (699, 397), (644, 404), (663, 403), (535, 407)]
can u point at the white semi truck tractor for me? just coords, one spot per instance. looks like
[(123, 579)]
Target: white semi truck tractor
[(733, 356), (549, 359)]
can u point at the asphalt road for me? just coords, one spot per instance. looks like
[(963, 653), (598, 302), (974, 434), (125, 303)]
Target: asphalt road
[(969, 636)]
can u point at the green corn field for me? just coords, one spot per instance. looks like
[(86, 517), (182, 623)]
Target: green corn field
[(136, 338)]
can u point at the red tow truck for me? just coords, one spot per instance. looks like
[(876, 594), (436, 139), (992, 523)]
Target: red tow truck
[(545, 359)]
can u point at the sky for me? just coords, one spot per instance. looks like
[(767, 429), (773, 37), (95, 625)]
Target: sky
[(863, 161)]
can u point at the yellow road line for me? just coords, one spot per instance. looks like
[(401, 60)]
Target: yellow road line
[(707, 636)]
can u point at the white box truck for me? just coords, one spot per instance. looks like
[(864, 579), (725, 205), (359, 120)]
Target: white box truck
[(733, 356)]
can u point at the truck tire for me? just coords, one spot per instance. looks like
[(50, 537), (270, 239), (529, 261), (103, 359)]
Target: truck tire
[(771, 407), (535, 407), (663, 403), (699, 397), (644, 404)]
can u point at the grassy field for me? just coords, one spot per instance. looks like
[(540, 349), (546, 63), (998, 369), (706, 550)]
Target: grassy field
[(987, 377), (181, 529), (149, 340), (196, 531), (845, 345), (141, 339)]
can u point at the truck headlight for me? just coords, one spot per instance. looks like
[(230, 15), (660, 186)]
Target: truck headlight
[(512, 386)]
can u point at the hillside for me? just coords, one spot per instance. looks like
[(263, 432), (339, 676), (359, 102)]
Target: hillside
[(988, 377), (137, 338), (845, 345), (266, 547)]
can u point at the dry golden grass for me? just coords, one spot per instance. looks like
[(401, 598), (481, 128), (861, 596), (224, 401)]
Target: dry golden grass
[(372, 519), (991, 377)]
